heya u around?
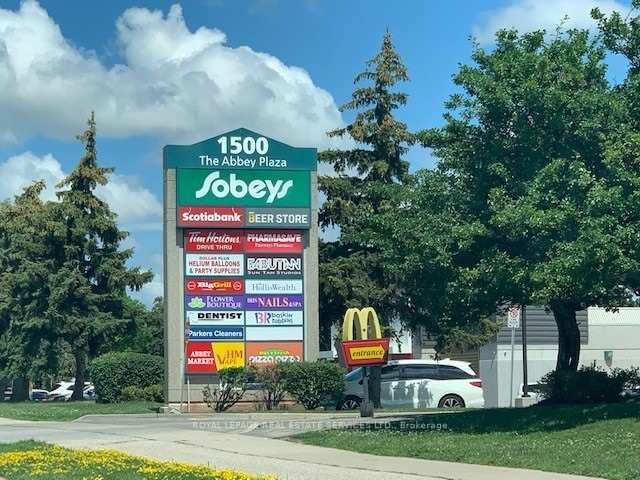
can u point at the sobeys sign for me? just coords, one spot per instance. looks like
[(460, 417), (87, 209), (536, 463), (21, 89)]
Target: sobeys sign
[(251, 188)]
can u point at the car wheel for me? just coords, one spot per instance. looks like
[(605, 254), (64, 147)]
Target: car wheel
[(451, 401), (350, 403)]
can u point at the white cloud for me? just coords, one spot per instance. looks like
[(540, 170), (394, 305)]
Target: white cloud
[(175, 83), (529, 15), (137, 207)]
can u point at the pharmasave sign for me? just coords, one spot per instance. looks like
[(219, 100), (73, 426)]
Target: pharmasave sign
[(240, 256)]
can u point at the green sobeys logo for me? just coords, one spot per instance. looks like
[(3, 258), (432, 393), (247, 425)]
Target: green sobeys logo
[(237, 188), (221, 188)]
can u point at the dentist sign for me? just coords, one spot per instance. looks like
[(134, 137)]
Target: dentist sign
[(241, 255)]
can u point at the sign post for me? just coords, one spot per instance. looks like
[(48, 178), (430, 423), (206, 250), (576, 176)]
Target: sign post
[(240, 256), (513, 322), (363, 346)]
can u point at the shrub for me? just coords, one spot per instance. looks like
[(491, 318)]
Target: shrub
[(313, 384), (152, 393), (113, 372), (586, 385), (230, 389), (271, 378)]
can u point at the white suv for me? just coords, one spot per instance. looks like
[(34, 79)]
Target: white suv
[(420, 384)]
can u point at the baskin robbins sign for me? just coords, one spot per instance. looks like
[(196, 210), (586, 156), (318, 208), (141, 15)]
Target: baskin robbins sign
[(243, 248)]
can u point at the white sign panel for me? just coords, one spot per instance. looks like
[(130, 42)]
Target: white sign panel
[(271, 317), (273, 286), (513, 317), (214, 264), (215, 318), (273, 333)]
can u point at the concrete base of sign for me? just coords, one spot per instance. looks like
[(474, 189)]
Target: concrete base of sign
[(522, 402)]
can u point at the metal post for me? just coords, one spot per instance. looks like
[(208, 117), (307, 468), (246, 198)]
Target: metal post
[(513, 341), (366, 407), (525, 380)]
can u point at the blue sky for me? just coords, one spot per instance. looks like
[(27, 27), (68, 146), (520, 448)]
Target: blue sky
[(158, 72)]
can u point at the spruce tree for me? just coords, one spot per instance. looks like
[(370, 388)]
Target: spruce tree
[(89, 287), (28, 342), (351, 271)]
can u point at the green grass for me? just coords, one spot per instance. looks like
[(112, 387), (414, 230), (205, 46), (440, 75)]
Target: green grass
[(40, 461), (61, 411), (600, 440)]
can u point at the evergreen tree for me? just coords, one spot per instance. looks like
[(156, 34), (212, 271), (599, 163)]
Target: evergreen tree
[(28, 342), (89, 287), (351, 272)]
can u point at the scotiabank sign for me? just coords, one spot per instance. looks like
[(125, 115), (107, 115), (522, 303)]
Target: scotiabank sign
[(204, 285), (273, 241), (213, 241), (210, 217)]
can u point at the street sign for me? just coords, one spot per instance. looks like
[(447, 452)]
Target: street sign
[(513, 317)]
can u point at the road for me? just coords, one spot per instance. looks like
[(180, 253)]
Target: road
[(250, 443)]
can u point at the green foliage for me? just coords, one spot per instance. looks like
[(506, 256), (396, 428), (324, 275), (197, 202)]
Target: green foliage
[(28, 340), (145, 328), (586, 385), (113, 372), (271, 377), (314, 384), (151, 393), (232, 385)]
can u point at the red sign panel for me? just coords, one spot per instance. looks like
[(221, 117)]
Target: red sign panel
[(273, 241), (203, 285), (213, 240), (358, 353), (200, 358), (210, 217)]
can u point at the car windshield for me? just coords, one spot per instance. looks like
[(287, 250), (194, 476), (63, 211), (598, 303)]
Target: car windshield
[(354, 375)]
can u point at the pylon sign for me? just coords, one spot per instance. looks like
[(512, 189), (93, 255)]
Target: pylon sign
[(240, 256), (362, 343)]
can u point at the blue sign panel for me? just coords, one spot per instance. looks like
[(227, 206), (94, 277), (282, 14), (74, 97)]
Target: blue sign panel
[(215, 333)]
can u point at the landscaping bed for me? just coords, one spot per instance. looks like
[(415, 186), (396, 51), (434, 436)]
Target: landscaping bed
[(35, 460)]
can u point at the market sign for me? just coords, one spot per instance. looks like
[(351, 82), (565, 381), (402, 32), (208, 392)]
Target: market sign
[(212, 357), (253, 188)]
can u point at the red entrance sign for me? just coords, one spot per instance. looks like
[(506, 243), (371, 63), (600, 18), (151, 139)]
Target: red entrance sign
[(273, 241), (358, 353), (203, 285), (213, 240), (210, 217)]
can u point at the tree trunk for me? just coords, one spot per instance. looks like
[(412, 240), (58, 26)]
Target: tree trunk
[(20, 389), (80, 358), (374, 385), (568, 335)]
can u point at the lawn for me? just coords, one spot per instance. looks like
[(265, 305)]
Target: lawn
[(35, 460), (69, 410), (602, 440)]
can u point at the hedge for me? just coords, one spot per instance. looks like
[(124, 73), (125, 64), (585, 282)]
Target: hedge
[(113, 372)]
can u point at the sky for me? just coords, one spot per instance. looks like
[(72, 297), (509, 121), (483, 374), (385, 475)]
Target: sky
[(159, 72)]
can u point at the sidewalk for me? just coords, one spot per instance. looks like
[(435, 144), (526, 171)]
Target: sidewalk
[(165, 440)]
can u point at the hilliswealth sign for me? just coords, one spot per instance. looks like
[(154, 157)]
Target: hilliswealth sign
[(240, 257)]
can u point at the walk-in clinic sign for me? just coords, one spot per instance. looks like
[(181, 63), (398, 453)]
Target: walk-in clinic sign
[(241, 266)]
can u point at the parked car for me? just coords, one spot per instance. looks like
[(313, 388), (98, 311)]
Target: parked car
[(420, 384), (62, 391), (38, 395)]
